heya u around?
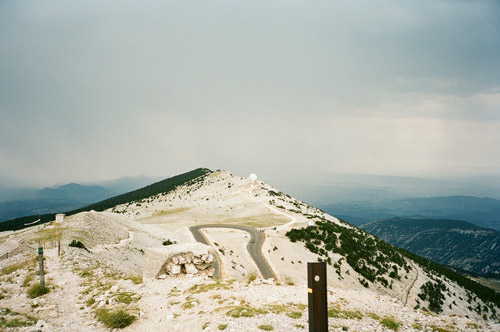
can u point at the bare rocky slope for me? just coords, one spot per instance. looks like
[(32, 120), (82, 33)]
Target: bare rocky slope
[(372, 286)]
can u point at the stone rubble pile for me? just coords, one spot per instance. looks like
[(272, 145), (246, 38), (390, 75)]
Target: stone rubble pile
[(189, 258), (188, 263)]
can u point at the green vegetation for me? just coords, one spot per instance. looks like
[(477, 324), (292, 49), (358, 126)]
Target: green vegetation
[(124, 297), (432, 292), (222, 327), (345, 314), (266, 327), (36, 290), (251, 277), (161, 187), (242, 311), (367, 255), (167, 242), (77, 244), (390, 323), (208, 287), (14, 267), (373, 258), (189, 304), (10, 318), (294, 314), (114, 319), (136, 278)]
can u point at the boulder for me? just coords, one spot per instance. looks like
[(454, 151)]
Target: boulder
[(190, 268)]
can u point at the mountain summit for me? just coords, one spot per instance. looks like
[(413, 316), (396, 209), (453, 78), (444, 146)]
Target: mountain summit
[(138, 256)]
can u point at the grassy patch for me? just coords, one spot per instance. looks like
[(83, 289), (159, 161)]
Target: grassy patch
[(208, 287), (10, 318), (266, 327), (222, 327), (294, 314), (36, 291), (136, 279), (242, 311), (390, 323), (15, 267), (205, 325), (124, 297), (251, 277), (190, 304), (344, 314), (264, 220), (114, 319), (27, 279)]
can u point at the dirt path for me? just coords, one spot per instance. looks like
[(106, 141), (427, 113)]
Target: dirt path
[(411, 286), (65, 300)]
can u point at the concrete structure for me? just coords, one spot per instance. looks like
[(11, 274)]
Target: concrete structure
[(60, 217)]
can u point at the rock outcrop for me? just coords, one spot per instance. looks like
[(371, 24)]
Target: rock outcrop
[(189, 258)]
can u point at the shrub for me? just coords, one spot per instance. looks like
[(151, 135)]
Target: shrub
[(390, 323), (36, 291), (294, 314), (266, 327), (77, 244), (222, 327), (116, 319), (167, 242)]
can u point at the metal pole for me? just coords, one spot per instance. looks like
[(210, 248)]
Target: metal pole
[(317, 297), (40, 263)]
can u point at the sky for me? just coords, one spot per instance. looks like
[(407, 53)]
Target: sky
[(95, 90)]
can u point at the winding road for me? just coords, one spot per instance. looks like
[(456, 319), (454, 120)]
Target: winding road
[(254, 247)]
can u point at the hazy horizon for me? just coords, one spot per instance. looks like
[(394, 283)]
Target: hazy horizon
[(92, 91)]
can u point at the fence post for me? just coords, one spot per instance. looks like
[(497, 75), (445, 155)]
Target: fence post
[(40, 263), (317, 297)]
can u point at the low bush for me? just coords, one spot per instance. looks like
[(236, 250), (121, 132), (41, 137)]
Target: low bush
[(77, 244), (390, 323), (115, 319), (36, 291)]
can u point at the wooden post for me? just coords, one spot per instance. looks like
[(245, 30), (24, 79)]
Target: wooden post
[(40, 263), (59, 247), (317, 297)]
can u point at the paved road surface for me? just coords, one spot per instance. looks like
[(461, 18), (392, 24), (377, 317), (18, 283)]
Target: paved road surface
[(254, 249)]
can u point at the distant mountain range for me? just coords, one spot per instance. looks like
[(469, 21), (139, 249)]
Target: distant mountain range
[(483, 212), (68, 197), (159, 187), (454, 243)]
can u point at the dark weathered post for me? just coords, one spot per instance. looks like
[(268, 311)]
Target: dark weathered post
[(317, 297), (59, 247), (40, 263)]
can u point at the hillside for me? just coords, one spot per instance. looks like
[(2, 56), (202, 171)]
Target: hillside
[(125, 263), (449, 242), (160, 187)]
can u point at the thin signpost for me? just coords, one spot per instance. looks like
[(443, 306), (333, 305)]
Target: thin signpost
[(40, 263), (317, 297)]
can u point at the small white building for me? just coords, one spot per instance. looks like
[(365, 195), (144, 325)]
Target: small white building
[(311, 223), (60, 217)]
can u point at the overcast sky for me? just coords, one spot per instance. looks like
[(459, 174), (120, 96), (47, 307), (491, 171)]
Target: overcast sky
[(93, 90)]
